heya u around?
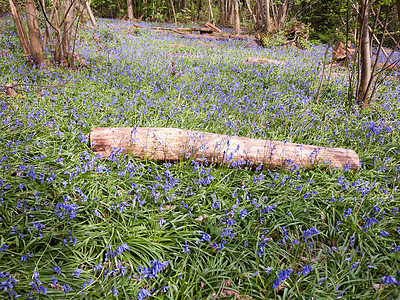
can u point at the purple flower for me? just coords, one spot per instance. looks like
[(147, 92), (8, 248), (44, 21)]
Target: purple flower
[(307, 269), (114, 292), (77, 272), (54, 281), (143, 293), (66, 288), (57, 270), (389, 280)]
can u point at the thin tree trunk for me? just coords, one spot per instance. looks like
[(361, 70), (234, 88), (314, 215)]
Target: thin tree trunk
[(237, 17), (253, 17), (211, 13), (34, 34), (23, 38), (69, 21), (173, 12), (267, 17), (398, 8), (365, 55), (130, 9), (90, 13), (222, 12), (282, 13)]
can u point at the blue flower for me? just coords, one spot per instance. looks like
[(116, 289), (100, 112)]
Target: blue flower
[(143, 293), (77, 272), (66, 288), (307, 269), (54, 281), (57, 270), (114, 292), (389, 280), (308, 233)]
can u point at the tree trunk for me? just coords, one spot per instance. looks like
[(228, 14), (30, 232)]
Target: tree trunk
[(68, 23), (211, 13), (253, 17), (90, 13), (172, 144), (222, 12), (237, 17), (267, 17), (282, 13), (23, 38), (365, 55), (173, 12), (34, 34), (130, 9), (398, 9)]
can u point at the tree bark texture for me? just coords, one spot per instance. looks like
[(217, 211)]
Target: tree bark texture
[(237, 17), (171, 144), (34, 34), (23, 38), (130, 9), (68, 23), (90, 13), (365, 55)]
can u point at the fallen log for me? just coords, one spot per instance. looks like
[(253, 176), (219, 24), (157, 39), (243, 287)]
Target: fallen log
[(213, 27), (256, 60), (172, 144)]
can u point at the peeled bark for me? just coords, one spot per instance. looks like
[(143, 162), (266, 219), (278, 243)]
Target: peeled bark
[(365, 55), (130, 9), (34, 34), (172, 144), (23, 38)]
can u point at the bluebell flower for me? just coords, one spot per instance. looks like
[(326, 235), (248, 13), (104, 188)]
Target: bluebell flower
[(347, 212), (321, 280), (165, 289), (307, 269), (143, 293), (98, 267), (310, 232), (57, 270), (26, 256), (114, 292), (54, 281), (389, 280), (66, 288), (77, 272)]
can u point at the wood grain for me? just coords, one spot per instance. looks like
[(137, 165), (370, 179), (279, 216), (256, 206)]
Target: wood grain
[(173, 144)]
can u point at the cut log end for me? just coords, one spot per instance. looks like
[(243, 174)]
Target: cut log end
[(172, 144)]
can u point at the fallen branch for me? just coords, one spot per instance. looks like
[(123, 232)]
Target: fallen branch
[(171, 144)]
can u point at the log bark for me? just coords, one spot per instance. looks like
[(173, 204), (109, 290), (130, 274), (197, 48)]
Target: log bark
[(172, 144), (213, 27)]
